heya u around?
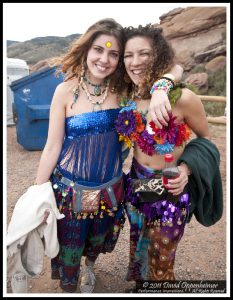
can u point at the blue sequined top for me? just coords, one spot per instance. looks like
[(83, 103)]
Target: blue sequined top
[(91, 152)]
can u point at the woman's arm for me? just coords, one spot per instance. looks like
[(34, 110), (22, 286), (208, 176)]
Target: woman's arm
[(160, 104), (55, 138), (193, 112)]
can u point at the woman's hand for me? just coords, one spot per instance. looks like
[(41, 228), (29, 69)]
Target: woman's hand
[(160, 104), (159, 108), (46, 214), (177, 185)]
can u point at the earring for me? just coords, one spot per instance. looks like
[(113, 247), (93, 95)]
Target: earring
[(113, 90), (82, 69)]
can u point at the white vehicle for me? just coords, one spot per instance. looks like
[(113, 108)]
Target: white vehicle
[(16, 69)]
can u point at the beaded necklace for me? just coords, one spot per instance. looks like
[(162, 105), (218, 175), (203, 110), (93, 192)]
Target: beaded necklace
[(97, 87), (96, 103), (99, 94), (131, 127)]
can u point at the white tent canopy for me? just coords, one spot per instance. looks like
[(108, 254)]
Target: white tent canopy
[(16, 69)]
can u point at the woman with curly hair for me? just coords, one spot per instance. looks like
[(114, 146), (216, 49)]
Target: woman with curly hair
[(158, 212), (83, 156)]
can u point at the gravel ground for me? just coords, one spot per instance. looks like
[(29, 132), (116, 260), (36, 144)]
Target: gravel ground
[(201, 254)]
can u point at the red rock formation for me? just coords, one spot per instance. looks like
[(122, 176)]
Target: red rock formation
[(197, 34), (215, 64), (200, 80), (40, 65)]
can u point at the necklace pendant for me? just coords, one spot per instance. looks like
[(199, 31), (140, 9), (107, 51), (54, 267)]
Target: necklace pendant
[(97, 90), (75, 95), (97, 107)]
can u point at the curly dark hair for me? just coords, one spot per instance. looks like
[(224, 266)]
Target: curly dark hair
[(162, 58)]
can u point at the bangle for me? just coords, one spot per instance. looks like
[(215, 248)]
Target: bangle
[(171, 77), (163, 84)]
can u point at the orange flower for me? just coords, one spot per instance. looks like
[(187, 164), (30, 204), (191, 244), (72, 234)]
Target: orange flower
[(139, 124), (187, 132), (158, 140), (134, 136)]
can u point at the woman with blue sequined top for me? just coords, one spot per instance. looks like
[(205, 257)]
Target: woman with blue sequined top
[(83, 156)]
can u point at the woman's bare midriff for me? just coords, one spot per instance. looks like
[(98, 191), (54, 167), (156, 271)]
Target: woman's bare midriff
[(156, 161)]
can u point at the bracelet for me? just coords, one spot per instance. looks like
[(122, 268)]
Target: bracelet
[(165, 84), (170, 76), (173, 83)]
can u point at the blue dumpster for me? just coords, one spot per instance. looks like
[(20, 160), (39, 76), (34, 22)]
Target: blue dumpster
[(32, 98)]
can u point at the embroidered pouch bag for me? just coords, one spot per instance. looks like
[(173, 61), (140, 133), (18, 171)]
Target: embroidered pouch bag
[(90, 200)]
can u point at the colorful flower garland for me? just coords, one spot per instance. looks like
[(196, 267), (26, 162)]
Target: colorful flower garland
[(131, 127)]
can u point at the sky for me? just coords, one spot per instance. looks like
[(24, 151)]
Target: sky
[(23, 21)]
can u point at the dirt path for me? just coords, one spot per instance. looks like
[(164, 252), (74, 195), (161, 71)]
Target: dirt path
[(201, 254)]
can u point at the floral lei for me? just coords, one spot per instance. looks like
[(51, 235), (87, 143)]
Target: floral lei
[(131, 127)]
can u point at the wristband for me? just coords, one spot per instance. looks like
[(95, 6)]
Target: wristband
[(173, 83), (163, 84)]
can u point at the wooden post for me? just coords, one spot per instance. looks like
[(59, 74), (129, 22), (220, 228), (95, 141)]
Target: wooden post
[(213, 98), (216, 120)]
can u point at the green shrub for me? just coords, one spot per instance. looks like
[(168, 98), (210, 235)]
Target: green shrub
[(214, 109), (217, 82), (216, 87), (198, 69)]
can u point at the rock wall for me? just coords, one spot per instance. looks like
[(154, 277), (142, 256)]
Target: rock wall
[(197, 34)]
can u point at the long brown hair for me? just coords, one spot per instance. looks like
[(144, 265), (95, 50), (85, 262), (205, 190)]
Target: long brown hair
[(71, 63), (161, 60)]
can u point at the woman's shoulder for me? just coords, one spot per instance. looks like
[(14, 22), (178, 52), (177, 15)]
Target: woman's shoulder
[(188, 96), (187, 93), (66, 86), (63, 92), (189, 104)]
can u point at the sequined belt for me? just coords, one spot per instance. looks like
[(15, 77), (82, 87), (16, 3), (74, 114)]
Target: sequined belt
[(81, 189)]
